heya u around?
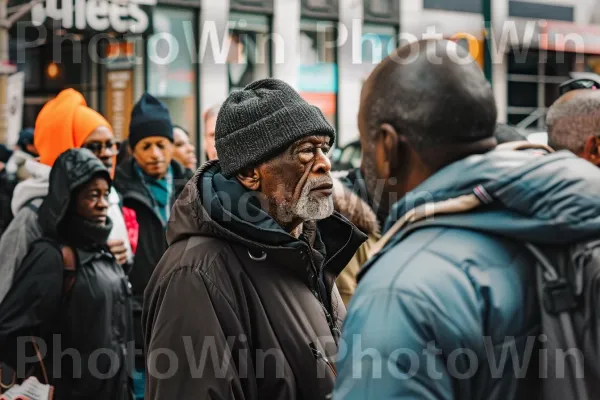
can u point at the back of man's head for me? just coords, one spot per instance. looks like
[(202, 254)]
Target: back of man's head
[(573, 120), (433, 93)]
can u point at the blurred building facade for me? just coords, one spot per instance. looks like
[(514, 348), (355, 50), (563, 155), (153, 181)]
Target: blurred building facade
[(191, 54)]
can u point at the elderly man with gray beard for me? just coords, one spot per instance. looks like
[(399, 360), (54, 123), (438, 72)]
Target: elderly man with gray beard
[(243, 304)]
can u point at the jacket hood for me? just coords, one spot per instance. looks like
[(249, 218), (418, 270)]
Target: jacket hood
[(36, 186), (355, 209), (72, 169), (529, 195), (212, 205)]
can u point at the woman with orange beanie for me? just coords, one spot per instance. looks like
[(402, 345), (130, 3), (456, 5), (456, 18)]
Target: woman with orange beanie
[(64, 122)]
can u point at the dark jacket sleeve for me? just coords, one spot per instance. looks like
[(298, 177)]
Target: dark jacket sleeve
[(33, 298), (192, 339)]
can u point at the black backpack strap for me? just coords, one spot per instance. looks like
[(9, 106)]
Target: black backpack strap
[(558, 298)]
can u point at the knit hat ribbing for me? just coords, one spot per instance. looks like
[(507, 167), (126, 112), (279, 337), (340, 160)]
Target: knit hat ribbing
[(263, 119), (149, 117)]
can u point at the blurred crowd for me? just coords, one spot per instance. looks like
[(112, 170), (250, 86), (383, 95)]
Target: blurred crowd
[(170, 280)]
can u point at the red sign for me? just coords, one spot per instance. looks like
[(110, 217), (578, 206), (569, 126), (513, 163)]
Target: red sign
[(325, 101)]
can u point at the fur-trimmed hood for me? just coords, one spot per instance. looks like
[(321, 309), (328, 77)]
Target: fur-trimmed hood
[(355, 209)]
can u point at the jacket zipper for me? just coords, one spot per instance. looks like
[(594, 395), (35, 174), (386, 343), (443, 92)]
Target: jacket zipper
[(320, 356), (317, 294)]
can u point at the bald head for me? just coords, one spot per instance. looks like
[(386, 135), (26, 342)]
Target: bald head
[(433, 93), (573, 119)]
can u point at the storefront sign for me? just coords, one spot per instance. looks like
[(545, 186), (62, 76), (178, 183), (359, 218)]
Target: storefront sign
[(119, 101), (98, 15)]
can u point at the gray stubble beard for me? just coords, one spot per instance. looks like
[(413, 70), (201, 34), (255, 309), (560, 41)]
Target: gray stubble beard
[(310, 206)]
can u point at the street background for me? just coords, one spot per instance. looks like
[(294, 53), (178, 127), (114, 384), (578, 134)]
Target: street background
[(191, 54)]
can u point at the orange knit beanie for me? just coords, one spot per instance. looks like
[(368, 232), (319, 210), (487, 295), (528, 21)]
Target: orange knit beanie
[(64, 123)]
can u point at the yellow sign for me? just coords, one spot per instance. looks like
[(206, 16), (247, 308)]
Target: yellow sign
[(472, 44)]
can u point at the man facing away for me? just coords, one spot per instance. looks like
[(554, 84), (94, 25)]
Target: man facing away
[(244, 297), (574, 124), (449, 309)]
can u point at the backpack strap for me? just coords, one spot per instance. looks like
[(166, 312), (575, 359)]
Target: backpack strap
[(70, 265), (558, 299), (29, 204)]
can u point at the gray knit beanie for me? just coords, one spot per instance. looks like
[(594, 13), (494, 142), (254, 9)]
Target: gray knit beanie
[(260, 121)]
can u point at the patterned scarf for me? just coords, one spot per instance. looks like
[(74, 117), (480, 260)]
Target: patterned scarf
[(161, 191)]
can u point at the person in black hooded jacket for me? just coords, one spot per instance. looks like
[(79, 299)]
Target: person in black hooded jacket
[(86, 310)]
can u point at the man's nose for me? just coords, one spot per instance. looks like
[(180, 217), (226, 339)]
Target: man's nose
[(103, 203), (322, 163), (156, 153)]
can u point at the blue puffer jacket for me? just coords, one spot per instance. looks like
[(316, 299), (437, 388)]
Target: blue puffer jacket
[(441, 313)]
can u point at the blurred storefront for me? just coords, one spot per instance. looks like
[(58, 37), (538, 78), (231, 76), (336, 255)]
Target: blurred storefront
[(249, 57), (536, 67), (318, 69), (171, 67), (70, 44), (113, 52)]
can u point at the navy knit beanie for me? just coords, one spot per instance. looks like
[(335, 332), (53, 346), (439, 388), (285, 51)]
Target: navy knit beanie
[(150, 117), (260, 121)]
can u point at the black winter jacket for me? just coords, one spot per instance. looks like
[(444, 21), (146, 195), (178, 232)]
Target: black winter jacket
[(93, 318), (151, 241), (250, 311)]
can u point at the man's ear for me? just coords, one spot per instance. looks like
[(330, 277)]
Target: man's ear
[(249, 178), (388, 150), (591, 150)]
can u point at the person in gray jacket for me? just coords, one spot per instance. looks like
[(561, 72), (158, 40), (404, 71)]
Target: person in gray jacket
[(449, 310)]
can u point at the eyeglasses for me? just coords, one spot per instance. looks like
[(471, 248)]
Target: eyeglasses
[(98, 147), (576, 84)]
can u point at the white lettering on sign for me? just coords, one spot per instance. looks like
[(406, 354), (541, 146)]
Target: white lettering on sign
[(100, 15)]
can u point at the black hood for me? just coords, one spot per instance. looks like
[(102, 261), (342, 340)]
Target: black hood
[(212, 205), (71, 169)]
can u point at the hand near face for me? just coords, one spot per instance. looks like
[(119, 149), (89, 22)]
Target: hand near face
[(118, 249)]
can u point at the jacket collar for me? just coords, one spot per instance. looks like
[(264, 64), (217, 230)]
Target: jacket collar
[(340, 239), (130, 186)]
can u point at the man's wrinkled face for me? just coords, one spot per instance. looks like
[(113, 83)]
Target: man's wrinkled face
[(298, 183)]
